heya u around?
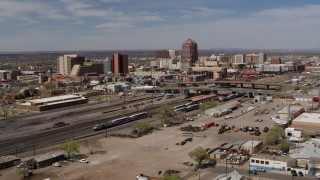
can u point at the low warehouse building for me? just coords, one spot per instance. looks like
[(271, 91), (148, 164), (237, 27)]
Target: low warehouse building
[(223, 109), (48, 160), (51, 102), (8, 161), (251, 146), (281, 163), (307, 121)]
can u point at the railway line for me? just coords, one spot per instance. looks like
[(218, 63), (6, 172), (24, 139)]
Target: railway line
[(22, 144)]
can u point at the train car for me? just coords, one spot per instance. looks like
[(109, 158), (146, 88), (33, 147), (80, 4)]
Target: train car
[(138, 116), (102, 126), (182, 109), (120, 121), (179, 106), (192, 107)]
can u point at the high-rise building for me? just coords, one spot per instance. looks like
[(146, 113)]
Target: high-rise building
[(66, 63), (262, 58), (106, 65), (189, 51), (162, 54), (276, 60), (120, 63)]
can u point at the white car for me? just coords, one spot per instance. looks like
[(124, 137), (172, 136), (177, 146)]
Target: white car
[(317, 175), (83, 161), (56, 164)]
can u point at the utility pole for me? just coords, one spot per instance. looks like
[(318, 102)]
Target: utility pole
[(226, 166), (106, 132), (34, 149)]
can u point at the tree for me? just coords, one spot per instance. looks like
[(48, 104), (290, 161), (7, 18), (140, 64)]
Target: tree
[(91, 144), (306, 135), (171, 177), (70, 147), (274, 135), (284, 146), (143, 127), (207, 105), (199, 154), (166, 112)]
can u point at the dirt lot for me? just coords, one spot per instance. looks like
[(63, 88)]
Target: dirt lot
[(123, 158)]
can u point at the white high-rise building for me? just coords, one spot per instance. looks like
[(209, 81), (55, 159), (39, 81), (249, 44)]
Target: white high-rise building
[(262, 58), (239, 59), (66, 62)]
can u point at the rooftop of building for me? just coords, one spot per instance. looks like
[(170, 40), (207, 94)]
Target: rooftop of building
[(8, 158), (251, 143), (189, 41), (281, 158), (308, 118), (306, 150), (292, 109)]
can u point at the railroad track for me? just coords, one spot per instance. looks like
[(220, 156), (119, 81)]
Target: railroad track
[(52, 137)]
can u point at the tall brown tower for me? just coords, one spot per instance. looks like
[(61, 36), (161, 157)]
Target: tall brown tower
[(189, 51), (119, 63)]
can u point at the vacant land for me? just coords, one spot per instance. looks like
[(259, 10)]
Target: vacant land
[(124, 158)]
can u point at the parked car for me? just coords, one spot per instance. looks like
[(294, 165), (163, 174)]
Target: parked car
[(83, 161), (260, 170), (56, 164), (317, 175), (294, 173), (254, 172)]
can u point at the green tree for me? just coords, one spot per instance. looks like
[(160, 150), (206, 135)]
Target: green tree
[(284, 146), (207, 105), (274, 135), (199, 154), (91, 144), (70, 147), (306, 135), (166, 113), (143, 127), (171, 177)]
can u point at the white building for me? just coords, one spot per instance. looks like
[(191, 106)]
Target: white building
[(262, 58), (239, 59), (271, 68), (271, 162), (64, 64), (114, 88), (293, 132)]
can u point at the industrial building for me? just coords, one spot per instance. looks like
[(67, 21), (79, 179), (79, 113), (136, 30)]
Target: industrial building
[(269, 162), (51, 102), (307, 121), (47, 160), (252, 146), (8, 161), (223, 109)]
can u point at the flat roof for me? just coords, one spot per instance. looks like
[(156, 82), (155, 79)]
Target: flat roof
[(197, 98), (54, 98), (308, 118), (251, 143), (272, 157), (292, 109), (8, 158), (307, 149)]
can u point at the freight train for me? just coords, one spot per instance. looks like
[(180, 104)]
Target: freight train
[(120, 121)]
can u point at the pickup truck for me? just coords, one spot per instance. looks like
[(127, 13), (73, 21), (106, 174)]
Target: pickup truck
[(60, 124)]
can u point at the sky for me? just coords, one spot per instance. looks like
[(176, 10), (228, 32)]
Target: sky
[(63, 25)]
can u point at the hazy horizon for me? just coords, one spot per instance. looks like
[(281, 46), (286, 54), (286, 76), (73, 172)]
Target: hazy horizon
[(88, 25)]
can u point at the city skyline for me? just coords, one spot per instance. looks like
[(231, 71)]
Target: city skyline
[(35, 25)]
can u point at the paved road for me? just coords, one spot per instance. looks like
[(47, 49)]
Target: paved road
[(211, 173)]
